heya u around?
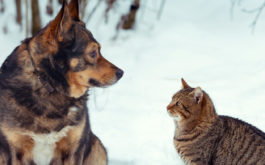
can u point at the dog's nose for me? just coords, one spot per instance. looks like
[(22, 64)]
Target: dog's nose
[(119, 74)]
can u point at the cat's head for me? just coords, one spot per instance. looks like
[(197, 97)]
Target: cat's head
[(189, 104)]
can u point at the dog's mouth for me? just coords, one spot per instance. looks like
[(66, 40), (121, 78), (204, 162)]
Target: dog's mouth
[(105, 79), (96, 83)]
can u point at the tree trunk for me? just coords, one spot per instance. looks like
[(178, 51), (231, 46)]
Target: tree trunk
[(18, 12), (27, 18), (82, 7), (2, 8), (127, 21), (36, 25), (110, 4), (49, 8)]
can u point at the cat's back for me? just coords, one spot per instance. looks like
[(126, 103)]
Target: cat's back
[(241, 143)]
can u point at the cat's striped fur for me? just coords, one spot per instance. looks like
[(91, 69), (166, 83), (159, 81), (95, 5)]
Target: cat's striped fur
[(204, 138)]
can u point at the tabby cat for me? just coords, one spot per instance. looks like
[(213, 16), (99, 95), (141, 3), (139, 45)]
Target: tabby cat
[(204, 138)]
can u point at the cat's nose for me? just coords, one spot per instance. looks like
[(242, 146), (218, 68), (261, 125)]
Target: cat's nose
[(169, 106)]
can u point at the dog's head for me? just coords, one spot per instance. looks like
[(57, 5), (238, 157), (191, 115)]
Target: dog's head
[(69, 54)]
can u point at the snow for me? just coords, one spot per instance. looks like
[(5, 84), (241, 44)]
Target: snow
[(195, 40)]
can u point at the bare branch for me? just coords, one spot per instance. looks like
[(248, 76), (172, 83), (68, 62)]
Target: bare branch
[(93, 11), (233, 2), (110, 4), (161, 9), (258, 11), (83, 5)]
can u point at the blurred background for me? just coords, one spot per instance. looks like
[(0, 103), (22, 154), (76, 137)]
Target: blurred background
[(215, 44)]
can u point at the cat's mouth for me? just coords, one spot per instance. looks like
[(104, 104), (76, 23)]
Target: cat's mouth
[(170, 113), (174, 115), (176, 118)]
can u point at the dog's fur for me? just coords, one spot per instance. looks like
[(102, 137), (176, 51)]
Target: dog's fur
[(43, 92)]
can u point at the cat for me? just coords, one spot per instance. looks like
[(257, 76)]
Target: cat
[(204, 138)]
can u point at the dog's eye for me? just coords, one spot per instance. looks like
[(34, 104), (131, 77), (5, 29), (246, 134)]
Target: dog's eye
[(93, 54)]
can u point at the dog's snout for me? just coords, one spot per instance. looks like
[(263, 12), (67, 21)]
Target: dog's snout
[(119, 74)]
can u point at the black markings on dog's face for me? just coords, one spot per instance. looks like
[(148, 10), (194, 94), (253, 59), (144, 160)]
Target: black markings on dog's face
[(55, 74), (85, 50), (93, 54), (76, 55), (80, 64), (94, 82)]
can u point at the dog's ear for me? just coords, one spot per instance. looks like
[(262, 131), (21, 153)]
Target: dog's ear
[(184, 84), (62, 23), (74, 10)]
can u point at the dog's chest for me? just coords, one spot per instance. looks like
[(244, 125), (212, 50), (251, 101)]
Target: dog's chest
[(45, 144)]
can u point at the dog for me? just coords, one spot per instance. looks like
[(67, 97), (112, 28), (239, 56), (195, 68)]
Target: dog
[(44, 118)]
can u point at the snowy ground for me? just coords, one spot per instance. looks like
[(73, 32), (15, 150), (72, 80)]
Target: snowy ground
[(194, 40)]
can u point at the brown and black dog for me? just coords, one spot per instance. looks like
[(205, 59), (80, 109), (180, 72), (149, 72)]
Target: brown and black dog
[(43, 92)]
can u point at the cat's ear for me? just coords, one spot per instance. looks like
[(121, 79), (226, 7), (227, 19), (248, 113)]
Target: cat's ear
[(197, 94), (184, 84)]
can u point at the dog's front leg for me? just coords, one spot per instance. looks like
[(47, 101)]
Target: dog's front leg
[(97, 155), (4, 159), (5, 152), (63, 158)]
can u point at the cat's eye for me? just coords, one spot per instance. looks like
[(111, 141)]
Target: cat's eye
[(93, 54), (177, 103)]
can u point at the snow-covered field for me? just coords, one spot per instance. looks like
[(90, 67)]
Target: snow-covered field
[(196, 40)]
